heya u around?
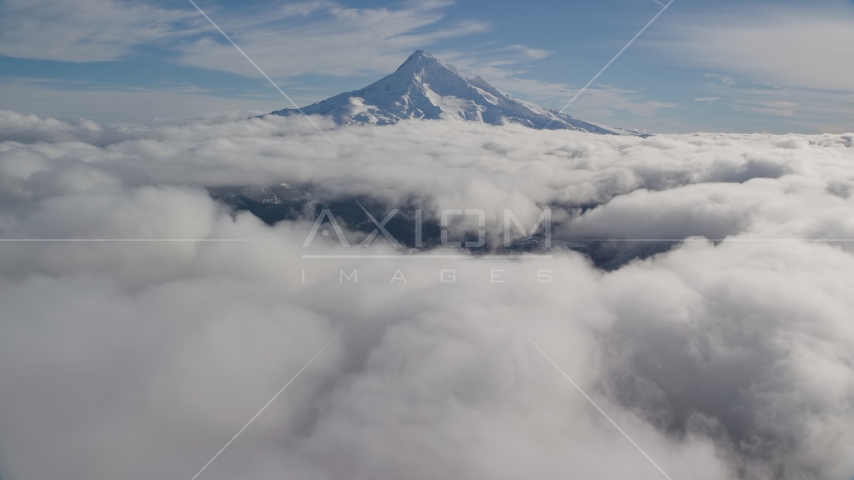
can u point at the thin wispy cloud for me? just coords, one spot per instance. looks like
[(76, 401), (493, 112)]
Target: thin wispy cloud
[(313, 38), (510, 69), (88, 30), (289, 40), (794, 55), (818, 109), (136, 105), (797, 47)]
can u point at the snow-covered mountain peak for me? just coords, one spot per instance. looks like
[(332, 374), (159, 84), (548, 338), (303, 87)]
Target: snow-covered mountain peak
[(424, 87), (420, 60)]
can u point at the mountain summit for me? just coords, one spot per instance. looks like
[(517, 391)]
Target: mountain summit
[(425, 87)]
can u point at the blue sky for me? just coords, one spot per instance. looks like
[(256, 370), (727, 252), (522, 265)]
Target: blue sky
[(730, 66)]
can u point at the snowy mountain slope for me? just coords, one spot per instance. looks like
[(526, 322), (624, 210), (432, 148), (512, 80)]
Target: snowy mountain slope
[(425, 87)]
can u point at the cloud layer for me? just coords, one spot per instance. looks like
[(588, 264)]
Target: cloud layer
[(725, 359)]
